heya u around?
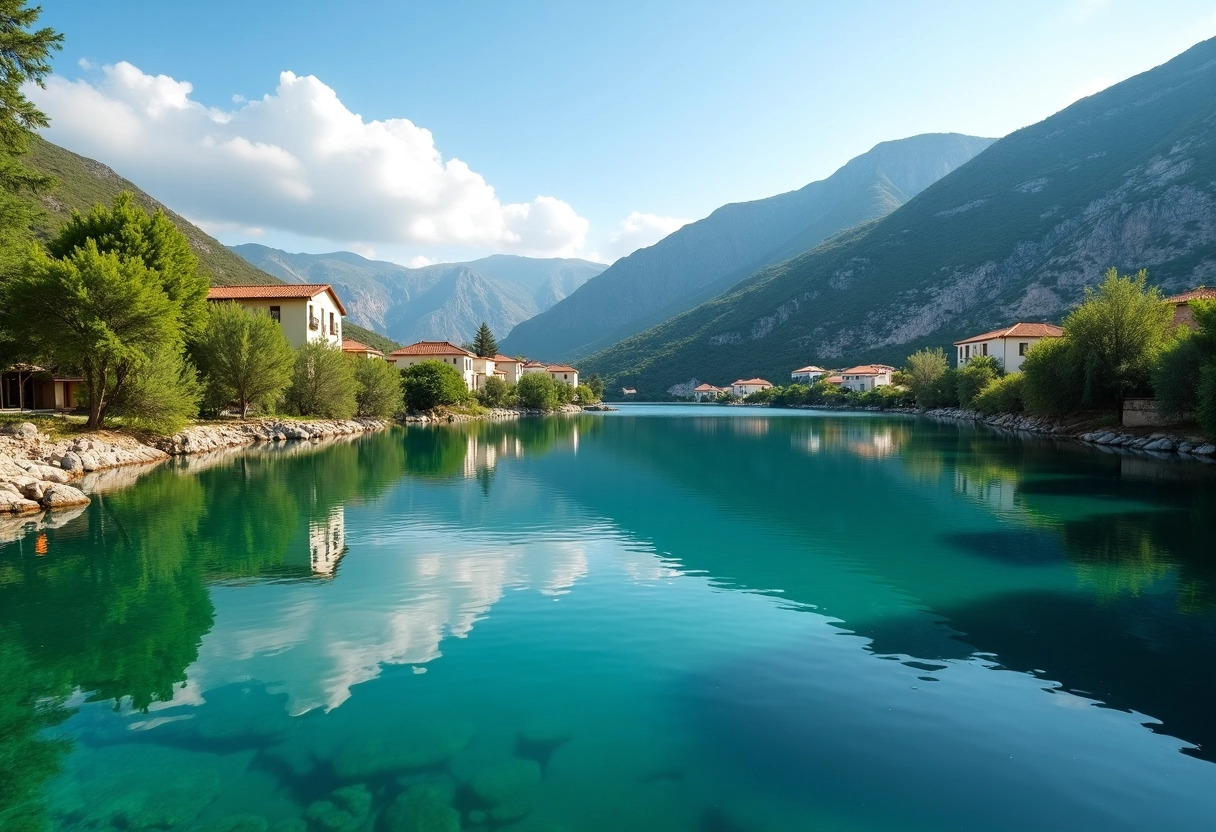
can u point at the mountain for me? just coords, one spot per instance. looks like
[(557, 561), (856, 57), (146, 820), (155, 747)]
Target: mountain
[(709, 256), (80, 183), (445, 301), (1124, 178)]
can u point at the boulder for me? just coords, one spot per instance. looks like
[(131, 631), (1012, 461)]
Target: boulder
[(1163, 444), (47, 473), (1205, 450), (408, 748), (25, 430), (420, 809), (71, 463), (57, 495), (507, 782)]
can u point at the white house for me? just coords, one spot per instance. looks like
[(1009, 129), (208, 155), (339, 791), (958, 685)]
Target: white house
[(442, 351), (566, 375), (352, 347), (745, 387), (512, 369), (808, 375), (866, 377), (484, 368), (306, 311), (1008, 345), (534, 367), (703, 392)]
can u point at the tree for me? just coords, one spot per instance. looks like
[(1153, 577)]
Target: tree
[(1053, 378), (484, 344), (161, 394), (1205, 408), (585, 395), (537, 391), (1115, 336), (322, 383), (974, 376), (495, 392), (430, 384), (1001, 395), (378, 388), (245, 357), (1179, 368), (597, 386), (101, 312), (924, 369)]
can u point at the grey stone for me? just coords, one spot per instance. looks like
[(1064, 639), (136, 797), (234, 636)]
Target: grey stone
[(1205, 450), (1162, 444), (71, 463), (57, 496)]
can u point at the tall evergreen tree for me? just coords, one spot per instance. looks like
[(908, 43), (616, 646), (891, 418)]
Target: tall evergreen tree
[(484, 344)]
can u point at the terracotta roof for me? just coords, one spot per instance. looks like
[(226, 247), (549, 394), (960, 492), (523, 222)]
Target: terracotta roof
[(707, 388), (536, 364), (1018, 330), (866, 370), (1195, 294), (810, 369), (351, 345), (751, 381), (432, 348), (276, 290), (506, 359), (561, 368), (835, 380)]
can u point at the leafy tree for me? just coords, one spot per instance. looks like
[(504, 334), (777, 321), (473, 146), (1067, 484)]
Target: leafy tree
[(322, 383), (101, 312), (1053, 378), (1001, 395), (24, 59), (597, 386), (1177, 373), (974, 376), (1115, 336), (430, 384), (379, 387), (484, 344), (584, 395), (925, 368), (760, 396), (244, 357), (1205, 409), (161, 394), (538, 392), (495, 392)]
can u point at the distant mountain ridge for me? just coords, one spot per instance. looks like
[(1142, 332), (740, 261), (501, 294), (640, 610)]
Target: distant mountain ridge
[(444, 301), (707, 257), (1124, 178)]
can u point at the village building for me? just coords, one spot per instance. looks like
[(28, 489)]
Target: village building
[(1008, 346), (352, 347), (865, 377), (629, 391), (306, 311), (444, 352), (563, 373), (512, 369), (1183, 316), (707, 392), (30, 387), (745, 387), (534, 367), (808, 375), (484, 368)]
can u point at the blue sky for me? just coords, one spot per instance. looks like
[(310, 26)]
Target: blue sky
[(659, 110)]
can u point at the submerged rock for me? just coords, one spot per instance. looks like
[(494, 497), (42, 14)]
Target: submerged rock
[(508, 782), (240, 823), (420, 809), (409, 748), (541, 735)]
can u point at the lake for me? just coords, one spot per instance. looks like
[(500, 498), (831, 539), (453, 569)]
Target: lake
[(665, 618)]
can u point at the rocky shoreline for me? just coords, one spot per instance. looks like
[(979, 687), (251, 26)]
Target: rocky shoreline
[(495, 414)]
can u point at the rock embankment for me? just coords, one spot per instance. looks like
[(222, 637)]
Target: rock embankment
[(213, 437), (442, 416)]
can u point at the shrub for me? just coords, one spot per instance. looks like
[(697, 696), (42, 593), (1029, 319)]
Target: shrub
[(1053, 380), (161, 395), (974, 376), (760, 396), (597, 386), (429, 384), (1205, 408), (585, 395), (378, 388), (1002, 395), (924, 371), (1177, 372), (537, 391), (495, 392), (322, 383)]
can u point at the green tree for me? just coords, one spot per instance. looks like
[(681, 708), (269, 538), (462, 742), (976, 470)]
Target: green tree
[(101, 312), (24, 59), (1053, 377), (1177, 373), (322, 383), (430, 384), (924, 369), (161, 394), (1115, 336), (379, 387), (495, 392), (584, 395), (244, 357), (1001, 395), (597, 386), (484, 344), (974, 376), (537, 391), (1205, 408)]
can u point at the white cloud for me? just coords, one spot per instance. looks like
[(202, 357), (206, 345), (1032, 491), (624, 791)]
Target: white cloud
[(296, 161), (420, 261), (637, 231)]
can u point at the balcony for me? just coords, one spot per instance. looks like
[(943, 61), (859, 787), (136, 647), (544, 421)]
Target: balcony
[(314, 323)]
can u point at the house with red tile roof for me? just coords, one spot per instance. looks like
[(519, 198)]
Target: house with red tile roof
[(1182, 305), (808, 375), (1008, 345), (306, 311), (512, 369), (564, 373), (865, 377), (746, 386), (352, 347), (707, 392), (444, 352)]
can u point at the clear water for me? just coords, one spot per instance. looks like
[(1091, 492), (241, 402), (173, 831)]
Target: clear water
[(666, 618)]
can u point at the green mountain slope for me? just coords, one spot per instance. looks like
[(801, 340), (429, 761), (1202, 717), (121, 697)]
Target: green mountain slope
[(707, 257), (444, 301), (1124, 178), (81, 183)]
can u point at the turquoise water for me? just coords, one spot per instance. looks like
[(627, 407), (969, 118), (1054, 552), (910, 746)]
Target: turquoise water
[(667, 618)]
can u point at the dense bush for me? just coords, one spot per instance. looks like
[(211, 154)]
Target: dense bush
[(161, 395), (760, 396), (1053, 380), (885, 397), (585, 395), (244, 357), (1205, 409), (1001, 395), (322, 383), (539, 392), (378, 388), (1177, 372), (429, 384), (924, 371), (974, 376), (495, 392)]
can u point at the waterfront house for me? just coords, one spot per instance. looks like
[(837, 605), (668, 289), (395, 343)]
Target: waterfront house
[(865, 377), (808, 375), (563, 373), (1008, 345), (352, 347), (444, 352), (629, 391), (484, 368), (512, 369), (306, 311), (30, 387), (745, 387), (707, 392), (534, 367), (1182, 305)]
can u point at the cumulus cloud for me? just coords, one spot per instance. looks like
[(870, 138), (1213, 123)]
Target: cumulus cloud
[(637, 231), (296, 160)]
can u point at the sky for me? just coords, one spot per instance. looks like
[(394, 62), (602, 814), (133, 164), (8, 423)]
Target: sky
[(421, 132)]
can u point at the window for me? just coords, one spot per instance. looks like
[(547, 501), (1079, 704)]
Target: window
[(1022, 348), (985, 348), (276, 314)]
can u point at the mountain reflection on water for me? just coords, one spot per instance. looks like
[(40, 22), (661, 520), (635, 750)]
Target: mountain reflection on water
[(664, 572)]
